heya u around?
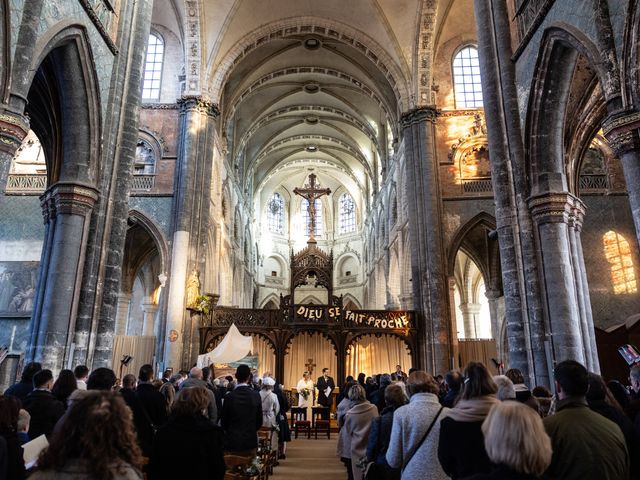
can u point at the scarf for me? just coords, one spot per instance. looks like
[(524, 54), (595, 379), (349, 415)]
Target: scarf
[(472, 410)]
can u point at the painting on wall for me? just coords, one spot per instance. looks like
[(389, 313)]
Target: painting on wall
[(17, 288)]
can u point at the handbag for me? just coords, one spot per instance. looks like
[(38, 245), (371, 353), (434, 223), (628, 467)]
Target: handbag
[(409, 457)]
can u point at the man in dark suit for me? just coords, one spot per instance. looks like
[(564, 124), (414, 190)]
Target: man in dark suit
[(325, 382), (242, 415), (44, 408)]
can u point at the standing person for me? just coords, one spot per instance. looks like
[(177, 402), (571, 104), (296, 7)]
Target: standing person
[(305, 392), (196, 379), (81, 372), (578, 433), (25, 386), (453, 384), (64, 386), (242, 415), (270, 407), (516, 443), (94, 440), (166, 375), (461, 446), (153, 408), (102, 379), (353, 437), (44, 408), (284, 433), (9, 416), (413, 445), (400, 375), (380, 435), (168, 390), (523, 394), (190, 435), (325, 385)]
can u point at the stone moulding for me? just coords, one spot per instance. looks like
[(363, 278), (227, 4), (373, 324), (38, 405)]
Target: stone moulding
[(621, 131), (419, 115), (13, 129), (95, 19), (68, 198), (553, 207), (199, 104)]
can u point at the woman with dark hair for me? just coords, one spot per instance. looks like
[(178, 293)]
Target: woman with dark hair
[(95, 439), (380, 434), (188, 434), (461, 446), (523, 394), (64, 386), (9, 414)]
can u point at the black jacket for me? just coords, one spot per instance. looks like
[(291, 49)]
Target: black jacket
[(379, 438), (461, 449), (20, 390), (14, 460), (45, 411), (144, 429), (241, 418), (195, 439), (322, 385)]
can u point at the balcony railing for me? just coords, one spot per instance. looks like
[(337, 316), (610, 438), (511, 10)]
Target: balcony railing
[(26, 183), (482, 185), (142, 183)]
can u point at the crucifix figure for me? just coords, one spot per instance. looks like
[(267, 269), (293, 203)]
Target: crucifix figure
[(310, 366), (311, 193)]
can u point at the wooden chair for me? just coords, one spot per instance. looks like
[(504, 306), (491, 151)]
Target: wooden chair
[(236, 465), (320, 421), (268, 454), (299, 421)]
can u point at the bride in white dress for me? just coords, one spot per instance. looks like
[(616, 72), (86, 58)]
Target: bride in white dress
[(305, 383)]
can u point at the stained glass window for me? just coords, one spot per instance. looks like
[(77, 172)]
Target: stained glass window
[(466, 78), (153, 68), (307, 218), (275, 213), (347, 214), (618, 253)]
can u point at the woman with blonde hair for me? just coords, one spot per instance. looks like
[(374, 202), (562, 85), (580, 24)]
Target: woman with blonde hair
[(95, 439), (516, 443)]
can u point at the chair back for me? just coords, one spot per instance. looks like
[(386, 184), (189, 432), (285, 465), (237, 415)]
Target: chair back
[(299, 414)]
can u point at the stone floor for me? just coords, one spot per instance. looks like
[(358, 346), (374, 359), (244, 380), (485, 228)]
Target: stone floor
[(310, 460)]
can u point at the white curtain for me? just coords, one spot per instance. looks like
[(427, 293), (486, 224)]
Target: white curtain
[(141, 348), (372, 355), (304, 347), (261, 348)]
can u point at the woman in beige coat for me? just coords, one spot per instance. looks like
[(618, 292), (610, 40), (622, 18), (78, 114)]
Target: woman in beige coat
[(352, 442)]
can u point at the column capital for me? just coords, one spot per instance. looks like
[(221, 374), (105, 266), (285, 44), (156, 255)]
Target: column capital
[(68, 198), (13, 128), (419, 115), (576, 220), (621, 131), (199, 104), (552, 207), (493, 293)]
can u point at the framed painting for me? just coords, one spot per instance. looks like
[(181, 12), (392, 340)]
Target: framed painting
[(18, 282)]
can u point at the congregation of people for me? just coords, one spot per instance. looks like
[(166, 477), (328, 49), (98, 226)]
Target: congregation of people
[(463, 425)]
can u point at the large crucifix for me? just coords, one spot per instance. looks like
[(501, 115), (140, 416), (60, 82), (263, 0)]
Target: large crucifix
[(311, 193)]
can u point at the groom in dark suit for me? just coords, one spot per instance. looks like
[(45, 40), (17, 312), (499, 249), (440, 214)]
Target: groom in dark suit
[(324, 382)]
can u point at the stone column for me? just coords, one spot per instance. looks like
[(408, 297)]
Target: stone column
[(455, 347), (122, 313), (425, 219), (621, 131), (470, 312), (67, 208), (591, 348), (149, 311), (191, 219), (551, 213), (523, 305)]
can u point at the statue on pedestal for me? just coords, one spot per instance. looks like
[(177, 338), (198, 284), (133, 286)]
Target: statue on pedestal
[(193, 288)]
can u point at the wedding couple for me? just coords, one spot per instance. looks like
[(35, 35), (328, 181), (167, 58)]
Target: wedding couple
[(305, 388)]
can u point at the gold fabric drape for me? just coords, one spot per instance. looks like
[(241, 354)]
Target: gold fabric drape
[(481, 350), (141, 348), (304, 347), (372, 355), (261, 348)]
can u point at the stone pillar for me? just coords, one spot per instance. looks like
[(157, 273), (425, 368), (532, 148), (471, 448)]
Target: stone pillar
[(428, 262), (122, 313), (551, 213), (67, 209), (455, 347), (470, 312), (591, 348), (191, 219), (621, 131), (149, 311), (523, 302)]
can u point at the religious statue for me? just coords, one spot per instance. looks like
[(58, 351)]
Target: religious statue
[(193, 288), (311, 193)]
